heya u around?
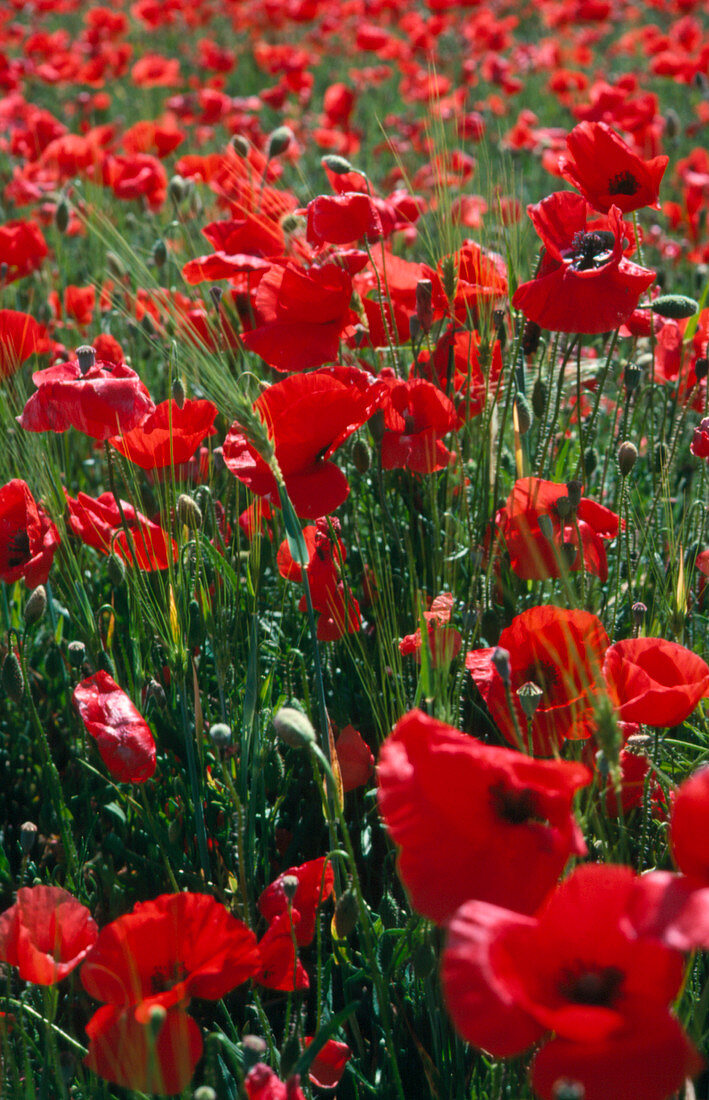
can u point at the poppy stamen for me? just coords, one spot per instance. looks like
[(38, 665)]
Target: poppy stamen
[(19, 549), (624, 183), (591, 250), (516, 807), (586, 985)]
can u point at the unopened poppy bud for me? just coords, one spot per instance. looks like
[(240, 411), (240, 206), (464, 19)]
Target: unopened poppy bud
[(546, 526), (501, 663), (524, 414), (178, 392), (676, 306), (36, 605), (116, 571), (632, 376), (590, 460), (61, 215), (76, 652), (177, 189), (530, 696), (346, 914), (337, 164), (115, 265), (424, 304), (294, 727), (701, 367), (531, 335), (565, 1089), (376, 425), (194, 624), (672, 123), (539, 398), (574, 488), (28, 836), (86, 357), (450, 276), (279, 141), (254, 1044), (216, 294), (204, 1092), (12, 679), (220, 734), (241, 145), (188, 512), (289, 885), (627, 457), (361, 456), (159, 253)]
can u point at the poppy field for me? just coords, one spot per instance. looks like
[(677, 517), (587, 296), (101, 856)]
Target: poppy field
[(354, 550)]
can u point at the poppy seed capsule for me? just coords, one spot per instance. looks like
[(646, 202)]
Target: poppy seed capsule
[(530, 696), (220, 734), (35, 606), (701, 368), (241, 145), (346, 914), (631, 377), (289, 885), (627, 457), (294, 727), (574, 488), (279, 141), (204, 1092), (28, 836), (86, 357), (76, 652), (12, 679)]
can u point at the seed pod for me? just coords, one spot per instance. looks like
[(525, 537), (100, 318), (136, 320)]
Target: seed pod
[(178, 392), (530, 696), (61, 215), (676, 306), (28, 836), (36, 605), (177, 189), (539, 398), (86, 356), (361, 456), (627, 457), (632, 376), (220, 734), (12, 679), (501, 663), (188, 512)]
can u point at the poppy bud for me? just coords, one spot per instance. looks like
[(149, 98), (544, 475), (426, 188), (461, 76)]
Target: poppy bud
[(531, 335), (590, 460), (574, 490), (524, 414), (639, 611), (346, 914), (36, 605), (632, 376), (178, 392), (116, 571), (28, 836), (627, 457), (672, 123), (156, 1018), (424, 304), (376, 425), (279, 141), (501, 662), (86, 357), (675, 306), (563, 507), (241, 145), (530, 696), (194, 624), (177, 189), (361, 456), (294, 727), (76, 652), (204, 1092), (546, 527), (701, 368), (220, 734), (188, 512), (155, 691), (12, 679), (61, 215), (539, 398), (159, 253)]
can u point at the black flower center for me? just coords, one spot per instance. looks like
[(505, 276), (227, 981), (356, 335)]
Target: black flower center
[(515, 807), (589, 250), (19, 549), (624, 183), (584, 985), (162, 980)]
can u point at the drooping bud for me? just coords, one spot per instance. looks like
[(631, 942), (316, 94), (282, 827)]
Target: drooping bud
[(12, 679), (539, 398), (337, 164), (627, 457), (86, 357), (279, 141), (241, 145), (61, 215), (524, 413), (294, 727), (35, 606), (178, 392), (501, 663)]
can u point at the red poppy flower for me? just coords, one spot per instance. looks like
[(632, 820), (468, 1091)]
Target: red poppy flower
[(559, 651), (123, 737), (98, 523), (584, 284), (532, 555), (443, 641), (28, 538), (261, 1083), (341, 219), (457, 369), (46, 933), (653, 681), (607, 172), (576, 969), (481, 280), (136, 176), (510, 851), (315, 884), (303, 315), (689, 826), (416, 416), (338, 609), (329, 1063), (20, 337), (280, 967), (700, 440), (308, 418), (169, 435), (122, 1051), (354, 757), (22, 248), (108, 398)]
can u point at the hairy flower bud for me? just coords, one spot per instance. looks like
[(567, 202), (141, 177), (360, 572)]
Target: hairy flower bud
[(627, 457), (294, 727), (36, 605), (279, 141), (12, 679), (675, 306)]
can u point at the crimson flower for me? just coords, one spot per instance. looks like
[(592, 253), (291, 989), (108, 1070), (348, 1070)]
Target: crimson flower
[(315, 881), (108, 398), (261, 1083), (416, 417), (560, 652), (444, 641), (28, 538), (653, 681), (583, 526), (575, 968), (22, 248), (354, 757), (46, 933), (280, 967), (123, 737), (20, 337), (165, 952), (98, 523), (338, 610), (169, 435), (308, 417), (584, 283), (510, 850), (341, 219), (607, 172), (700, 440), (329, 1063)]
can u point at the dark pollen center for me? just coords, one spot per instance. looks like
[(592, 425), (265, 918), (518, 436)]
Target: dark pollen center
[(515, 807), (591, 250), (588, 986), (624, 183), (19, 550)]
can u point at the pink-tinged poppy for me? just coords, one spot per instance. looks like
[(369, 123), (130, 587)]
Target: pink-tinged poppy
[(607, 172), (329, 1063), (107, 399), (122, 735), (315, 884), (559, 651), (509, 851), (584, 284), (354, 757), (416, 417), (121, 1050), (308, 417), (585, 526), (653, 681), (46, 933), (261, 1083), (577, 969), (20, 337), (28, 538), (169, 435), (303, 314), (98, 523), (342, 219), (22, 248)]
